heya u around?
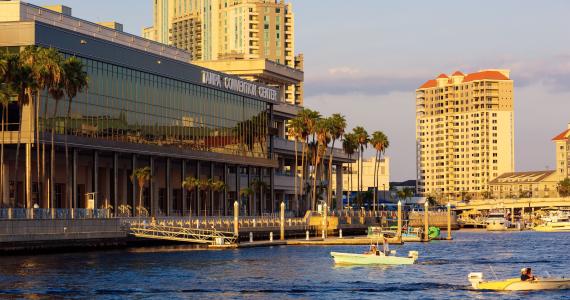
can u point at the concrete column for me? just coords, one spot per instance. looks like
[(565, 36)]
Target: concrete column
[(153, 205), (29, 203), (339, 188), (426, 221), (272, 191), (211, 193), (282, 225), (251, 206), (96, 178), (225, 196), (238, 183), (449, 221), (168, 188), (115, 183), (184, 191), (399, 233), (133, 181), (197, 193), (236, 218), (74, 195)]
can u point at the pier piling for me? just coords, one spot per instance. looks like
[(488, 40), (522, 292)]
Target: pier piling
[(236, 218), (282, 223), (399, 233), (426, 221), (448, 221)]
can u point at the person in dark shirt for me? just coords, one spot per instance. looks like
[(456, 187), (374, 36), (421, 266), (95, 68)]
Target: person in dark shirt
[(526, 274)]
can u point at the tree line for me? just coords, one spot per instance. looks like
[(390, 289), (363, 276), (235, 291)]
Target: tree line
[(26, 78), (318, 135)]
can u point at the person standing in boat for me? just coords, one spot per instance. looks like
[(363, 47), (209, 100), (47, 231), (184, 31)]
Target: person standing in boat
[(526, 275), (386, 247)]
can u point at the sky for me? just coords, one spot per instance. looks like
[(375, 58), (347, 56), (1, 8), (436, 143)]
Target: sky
[(365, 58)]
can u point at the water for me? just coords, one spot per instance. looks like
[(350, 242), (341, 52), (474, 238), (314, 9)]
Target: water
[(289, 272)]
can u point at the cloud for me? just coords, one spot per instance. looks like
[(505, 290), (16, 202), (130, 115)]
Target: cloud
[(346, 80)]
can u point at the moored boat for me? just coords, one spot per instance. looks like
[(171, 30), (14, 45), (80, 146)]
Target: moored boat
[(555, 222), (516, 284), (496, 221)]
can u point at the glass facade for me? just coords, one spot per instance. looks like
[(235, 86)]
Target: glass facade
[(127, 105)]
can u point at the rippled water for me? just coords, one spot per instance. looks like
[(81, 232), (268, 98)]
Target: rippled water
[(289, 272)]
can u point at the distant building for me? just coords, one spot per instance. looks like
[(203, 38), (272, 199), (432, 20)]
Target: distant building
[(464, 133), (401, 185), (562, 142), (230, 32), (533, 184), (368, 175)]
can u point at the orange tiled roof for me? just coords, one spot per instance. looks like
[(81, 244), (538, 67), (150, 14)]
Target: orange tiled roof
[(493, 75), (429, 84), (563, 136)]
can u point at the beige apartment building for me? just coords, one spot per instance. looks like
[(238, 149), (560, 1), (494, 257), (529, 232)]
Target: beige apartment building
[(367, 175), (562, 142), (235, 37), (464, 133)]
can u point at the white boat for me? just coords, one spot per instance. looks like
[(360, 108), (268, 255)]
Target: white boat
[(555, 222), (496, 221), (516, 284), (378, 258)]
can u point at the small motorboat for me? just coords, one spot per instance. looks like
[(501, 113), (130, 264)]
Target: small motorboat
[(377, 258), (516, 284)]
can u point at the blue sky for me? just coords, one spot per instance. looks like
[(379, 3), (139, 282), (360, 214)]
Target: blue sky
[(365, 58)]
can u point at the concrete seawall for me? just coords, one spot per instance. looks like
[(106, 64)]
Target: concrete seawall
[(46, 235)]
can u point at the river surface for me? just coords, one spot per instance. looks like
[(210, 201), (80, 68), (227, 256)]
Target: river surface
[(289, 272)]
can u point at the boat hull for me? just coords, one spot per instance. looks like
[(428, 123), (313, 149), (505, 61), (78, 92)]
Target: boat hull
[(496, 227), (553, 227), (370, 259), (516, 284)]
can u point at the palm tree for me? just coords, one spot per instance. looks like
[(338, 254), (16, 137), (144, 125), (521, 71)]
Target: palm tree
[(204, 186), (57, 94), (408, 193), (142, 177), (75, 80), (20, 77), (258, 186), (337, 124), (322, 134), (246, 192), (380, 142), (6, 93), (349, 146), (309, 119), (190, 183), (218, 186), (46, 71), (363, 139), (295, 131)]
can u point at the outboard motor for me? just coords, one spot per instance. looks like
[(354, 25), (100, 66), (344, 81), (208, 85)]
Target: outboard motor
[(475, 278)]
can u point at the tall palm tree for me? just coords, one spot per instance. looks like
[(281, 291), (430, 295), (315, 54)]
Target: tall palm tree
[(57, 94), (46, 71), (142, 177), (349, 146), (190, 183), (322, 134), (20, 76), (218, 186), (337, 126), (258, 186), (246, 192), (75, 80), (295, 131), (309, 119), (6, 93), (363, 139), (203, 187), (380, 142)]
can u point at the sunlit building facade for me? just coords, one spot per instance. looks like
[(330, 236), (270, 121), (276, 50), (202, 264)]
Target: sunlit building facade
[(229, 35), (562, 143), (145, 106), (464, 133)]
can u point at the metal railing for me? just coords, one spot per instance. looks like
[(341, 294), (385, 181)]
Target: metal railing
[(181, 233), (53, 213)]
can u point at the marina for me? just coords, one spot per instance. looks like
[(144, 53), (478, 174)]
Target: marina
[(283, 272)]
